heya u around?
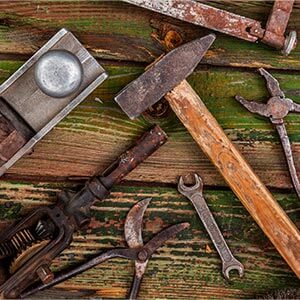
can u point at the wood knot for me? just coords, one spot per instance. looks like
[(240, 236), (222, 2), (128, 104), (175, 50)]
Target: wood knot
[(168, 36), (172, 40)]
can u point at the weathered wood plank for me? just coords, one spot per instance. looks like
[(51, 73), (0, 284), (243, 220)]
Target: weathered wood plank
[(185, 267), (116, 30), (96, 133)]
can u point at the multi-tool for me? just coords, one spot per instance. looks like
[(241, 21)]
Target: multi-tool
[(137, 251), (28, 248)]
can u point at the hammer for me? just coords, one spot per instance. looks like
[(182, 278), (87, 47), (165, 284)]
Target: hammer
[(166, 78)]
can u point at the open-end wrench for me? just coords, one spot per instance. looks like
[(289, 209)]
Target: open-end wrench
[(194, 193)]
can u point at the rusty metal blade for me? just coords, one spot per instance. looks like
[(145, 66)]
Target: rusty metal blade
[(166, 234), (162, 77), (134, 222), (254, 107), (207, 16), (272, 84)]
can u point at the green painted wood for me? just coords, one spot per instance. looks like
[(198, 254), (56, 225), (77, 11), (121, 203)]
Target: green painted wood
[(121, 37), (93, 135), (187, 266), (116, 30)]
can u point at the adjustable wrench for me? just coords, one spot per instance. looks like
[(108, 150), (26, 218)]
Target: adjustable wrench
[(194, 193)]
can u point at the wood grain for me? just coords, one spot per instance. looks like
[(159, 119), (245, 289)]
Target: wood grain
[(211, 138), (95, 133), (187, 266), (115, 30), (125, 39)]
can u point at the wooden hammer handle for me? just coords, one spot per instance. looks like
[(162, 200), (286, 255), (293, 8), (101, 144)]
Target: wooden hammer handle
[(238, 174)]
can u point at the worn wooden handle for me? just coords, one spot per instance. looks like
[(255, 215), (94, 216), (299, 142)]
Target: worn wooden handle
[(238, 174)]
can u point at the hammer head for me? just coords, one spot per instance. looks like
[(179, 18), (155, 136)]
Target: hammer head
[(162, 77)]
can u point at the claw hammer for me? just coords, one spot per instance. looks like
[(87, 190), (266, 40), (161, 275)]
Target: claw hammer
[(166, 78)]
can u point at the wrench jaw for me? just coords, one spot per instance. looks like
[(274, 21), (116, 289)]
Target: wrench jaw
[(189, 191), (230, 266)]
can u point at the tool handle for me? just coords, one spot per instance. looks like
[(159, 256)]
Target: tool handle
[(98, 187), (135, 287), (286, 146), (145, 146), (238, 174), (99, 259), (211, 226)]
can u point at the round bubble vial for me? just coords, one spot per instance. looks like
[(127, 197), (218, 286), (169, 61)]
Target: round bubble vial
[(58, 73)]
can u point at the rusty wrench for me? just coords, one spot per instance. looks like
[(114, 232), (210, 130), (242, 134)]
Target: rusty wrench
[(194, 193), (277, 107)]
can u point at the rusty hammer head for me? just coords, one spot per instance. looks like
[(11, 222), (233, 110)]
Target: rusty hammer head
[(162, 76)]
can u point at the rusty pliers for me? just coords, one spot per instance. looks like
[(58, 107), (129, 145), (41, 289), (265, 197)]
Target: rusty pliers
[(277, 107), (136, 251)]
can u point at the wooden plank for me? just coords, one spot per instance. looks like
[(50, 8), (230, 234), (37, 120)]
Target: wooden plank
[(92, 136), (185, 267), (115, 30)]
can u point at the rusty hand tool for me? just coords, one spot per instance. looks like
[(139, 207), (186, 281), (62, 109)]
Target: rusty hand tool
[(28, 248), (136, 251), (194, 194), (166, 78), (277, 107), (42, 92), (238, 26)]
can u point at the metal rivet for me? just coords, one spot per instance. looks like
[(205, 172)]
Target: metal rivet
[(58, 73)]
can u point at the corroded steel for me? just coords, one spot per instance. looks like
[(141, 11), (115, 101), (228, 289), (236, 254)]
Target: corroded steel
[(162, 76), (229, 23), (57, 224), (277, 107), (276, 26), (133, 224), (194, 193), (136, 251)]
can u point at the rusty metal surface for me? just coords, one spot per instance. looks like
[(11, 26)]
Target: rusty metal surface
[(162, 76), (136, 251), (276, 108), (277, 23), (195, 195), (133, 224), (232, 24), (56, 225)]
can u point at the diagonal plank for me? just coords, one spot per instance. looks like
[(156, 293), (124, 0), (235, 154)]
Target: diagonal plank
[(92, 136), (187, 266), (118, 31)]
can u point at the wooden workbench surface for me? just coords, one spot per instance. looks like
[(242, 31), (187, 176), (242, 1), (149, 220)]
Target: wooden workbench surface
[(125, 39)]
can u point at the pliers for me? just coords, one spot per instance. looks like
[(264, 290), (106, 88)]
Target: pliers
[(277, 107), (136, 251)]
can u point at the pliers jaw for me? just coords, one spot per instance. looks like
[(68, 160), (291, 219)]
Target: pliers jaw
[(276, 109)]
